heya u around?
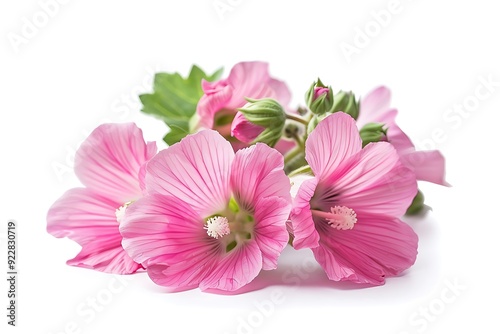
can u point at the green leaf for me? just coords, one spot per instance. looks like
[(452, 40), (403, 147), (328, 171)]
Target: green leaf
[(174, 100)]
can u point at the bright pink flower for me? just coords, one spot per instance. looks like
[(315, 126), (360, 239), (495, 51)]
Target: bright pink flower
[(212, 218), (110, 163), (427, 165), (217, 107), (348, 213)]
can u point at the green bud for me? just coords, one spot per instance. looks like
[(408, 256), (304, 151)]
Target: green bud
[(270, 115), (319, 98), (372, 133), (346, 102)]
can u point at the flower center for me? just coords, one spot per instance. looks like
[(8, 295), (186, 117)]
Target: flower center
[(339, 217), (217, 227), (120, 212)]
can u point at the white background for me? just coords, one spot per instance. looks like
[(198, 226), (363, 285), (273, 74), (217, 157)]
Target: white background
[(91, 57)]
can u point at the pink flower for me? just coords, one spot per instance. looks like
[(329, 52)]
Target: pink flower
[(427, 165), (217, 107), (212, 218), (348, 213), (110, 163)]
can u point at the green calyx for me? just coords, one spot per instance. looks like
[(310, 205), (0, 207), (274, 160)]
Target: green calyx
[(346, 102), (270, 115), (373, 133), (319, 98)]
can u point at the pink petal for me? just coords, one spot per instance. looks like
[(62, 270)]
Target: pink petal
[(375, 248), (374, 107), (249, 79), (257, 172), (271, 234), (109, 161), (168, 236), (161, 229), (216, 97), (243, 130), (399, 139), (281, 92), (304, 231), (195, 170), (90, 220), (427, 165), (374, 181), (236, 269), (334, 140)]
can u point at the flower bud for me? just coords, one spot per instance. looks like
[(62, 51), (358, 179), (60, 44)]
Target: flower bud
[(319, 98), (372, 133), (259, 121), (346, 102)]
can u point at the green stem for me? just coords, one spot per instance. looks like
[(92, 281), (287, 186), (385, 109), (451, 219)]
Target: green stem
[(297, 119), (301, 170), (292, 154)]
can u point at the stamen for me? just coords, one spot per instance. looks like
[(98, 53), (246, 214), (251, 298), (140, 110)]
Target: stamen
[(217, 227), (120, 212), (339, 217)]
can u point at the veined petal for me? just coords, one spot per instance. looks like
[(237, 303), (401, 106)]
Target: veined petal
[(304, 231), (90, 220), (373, 181), (163, 229), (217, 95), (374, 249), (236, 269), (270, 230), (249, 79), (109, 161), (427, 165), (195, 170), (334, 140), (257, 172)]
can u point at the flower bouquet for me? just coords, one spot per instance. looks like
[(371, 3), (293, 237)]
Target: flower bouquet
[(244, 175)]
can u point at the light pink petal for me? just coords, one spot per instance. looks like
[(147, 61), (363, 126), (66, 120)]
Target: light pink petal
[(281, 92), (374, 181), (236, 269), (374, 249), (109, 161), (90, 220), (168, 237), (257, 172), (216, 97), (244, 130), (271, 234), (249, 79), (427, 165), (162, 229), (399, 139), (195, 170), (304, 231), (334, 140), (374, 107)]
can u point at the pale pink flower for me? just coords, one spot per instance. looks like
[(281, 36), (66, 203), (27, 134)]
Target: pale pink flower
[(348, 213), (217, 108), (110, 164), (427, 165), (212, 218)]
